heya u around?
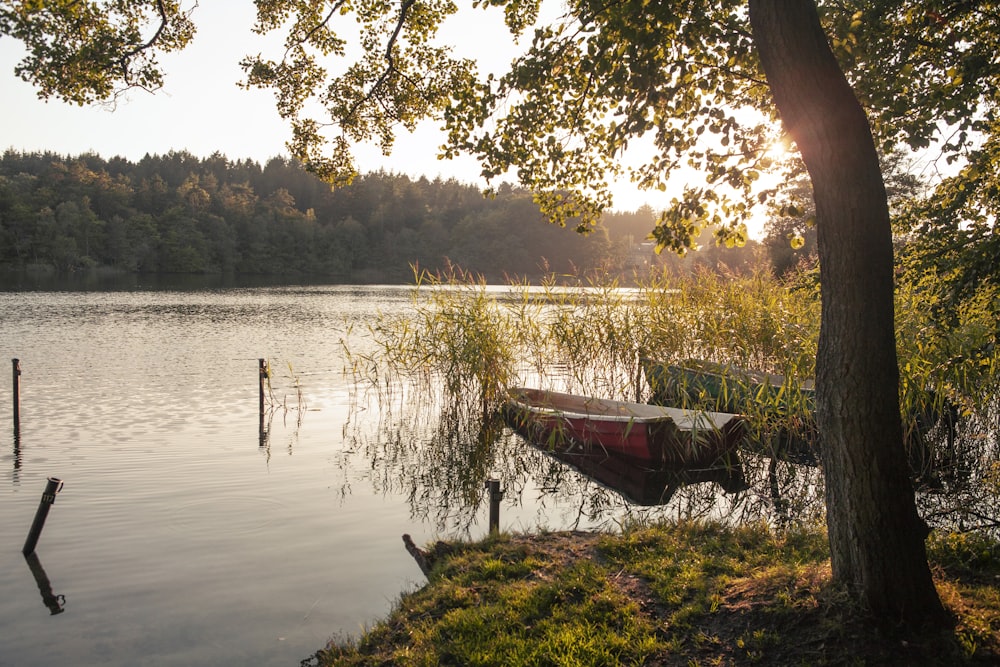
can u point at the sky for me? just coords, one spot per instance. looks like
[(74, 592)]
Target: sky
[(201, 109)]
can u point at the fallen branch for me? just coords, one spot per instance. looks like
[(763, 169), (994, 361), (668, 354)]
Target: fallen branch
[(426, 559)]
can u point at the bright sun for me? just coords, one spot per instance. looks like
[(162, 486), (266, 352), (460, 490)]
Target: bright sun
[(780, 149)]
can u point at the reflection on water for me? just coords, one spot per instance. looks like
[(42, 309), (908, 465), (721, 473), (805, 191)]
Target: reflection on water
[(146, 402), (437, 451), (641, 485), (249, 535), (16, 474), (54, 603)]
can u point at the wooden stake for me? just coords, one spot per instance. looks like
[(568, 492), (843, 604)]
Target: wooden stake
[(16, 363), (496, 495), (262, 376), (52, 487)]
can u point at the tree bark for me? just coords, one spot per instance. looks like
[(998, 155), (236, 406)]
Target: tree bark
[(876, 536)]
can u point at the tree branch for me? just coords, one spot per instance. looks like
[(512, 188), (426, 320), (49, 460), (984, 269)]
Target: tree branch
[(305, 38), (404, 9), (124, 60)]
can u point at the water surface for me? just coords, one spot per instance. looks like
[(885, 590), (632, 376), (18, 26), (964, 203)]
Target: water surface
[(182, 537)]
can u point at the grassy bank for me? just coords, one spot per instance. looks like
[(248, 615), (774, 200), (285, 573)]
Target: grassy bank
[(672, 594), (680, 593)]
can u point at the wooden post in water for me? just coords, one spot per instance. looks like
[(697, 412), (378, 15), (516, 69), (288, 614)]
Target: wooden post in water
[(16, 363), (53, 487), (262, 377), (496, 495), (262, 374)]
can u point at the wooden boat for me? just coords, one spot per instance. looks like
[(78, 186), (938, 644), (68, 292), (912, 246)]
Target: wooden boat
[(655, 435), (787, 407), (640, 484), (724, 386)]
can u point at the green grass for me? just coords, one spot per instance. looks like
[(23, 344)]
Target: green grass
[(670, 594), (499, 603)]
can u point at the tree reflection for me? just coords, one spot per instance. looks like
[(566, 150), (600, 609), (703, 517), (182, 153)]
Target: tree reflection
[(967, 493)]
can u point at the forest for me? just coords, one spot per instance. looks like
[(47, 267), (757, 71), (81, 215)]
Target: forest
[(178, 213)]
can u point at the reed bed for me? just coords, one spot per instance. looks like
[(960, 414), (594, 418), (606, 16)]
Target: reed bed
[(464, 343)]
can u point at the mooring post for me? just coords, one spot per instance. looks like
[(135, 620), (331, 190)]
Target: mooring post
[(53, 487), (262, 377), (16, 363), (496, 495), (262, 374)]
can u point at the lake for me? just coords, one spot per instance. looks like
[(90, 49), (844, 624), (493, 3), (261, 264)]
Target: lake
[(187, 535)]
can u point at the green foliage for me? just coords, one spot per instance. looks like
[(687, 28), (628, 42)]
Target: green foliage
[(402, 76), (590, 84), (966, 554), (929, 76), (178, 213), (605, 74), (85, 52)]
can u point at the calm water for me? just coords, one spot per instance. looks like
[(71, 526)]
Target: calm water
[(183, 538)]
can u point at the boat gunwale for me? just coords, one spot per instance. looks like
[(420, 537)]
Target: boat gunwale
[(725, 372), (682, 418)]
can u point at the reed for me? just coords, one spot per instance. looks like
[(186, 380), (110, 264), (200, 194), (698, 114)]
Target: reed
[(464, 343), (457, 334), (273, 402), (585, 334)]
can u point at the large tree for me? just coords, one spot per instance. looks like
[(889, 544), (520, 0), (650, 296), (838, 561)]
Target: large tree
[(876, 536), (701, 82)]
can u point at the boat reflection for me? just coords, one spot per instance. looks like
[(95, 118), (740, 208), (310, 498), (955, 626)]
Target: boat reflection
[(644, 485)]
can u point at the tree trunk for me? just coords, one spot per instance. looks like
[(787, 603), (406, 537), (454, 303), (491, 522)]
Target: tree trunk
[(876, 536)]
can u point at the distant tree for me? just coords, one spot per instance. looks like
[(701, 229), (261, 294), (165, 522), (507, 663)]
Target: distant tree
[(790, 231), (182, 247), (633, 224)]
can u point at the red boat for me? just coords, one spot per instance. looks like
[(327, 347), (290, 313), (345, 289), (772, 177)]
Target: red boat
[(653, 434)]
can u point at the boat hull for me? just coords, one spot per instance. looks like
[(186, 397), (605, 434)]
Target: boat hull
[(787, 408), (653, 435)]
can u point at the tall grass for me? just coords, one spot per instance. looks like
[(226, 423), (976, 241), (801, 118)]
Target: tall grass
[(464, 343), (457, 337), (478, 340)]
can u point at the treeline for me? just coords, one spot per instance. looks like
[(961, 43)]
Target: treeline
[(178, 213)]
